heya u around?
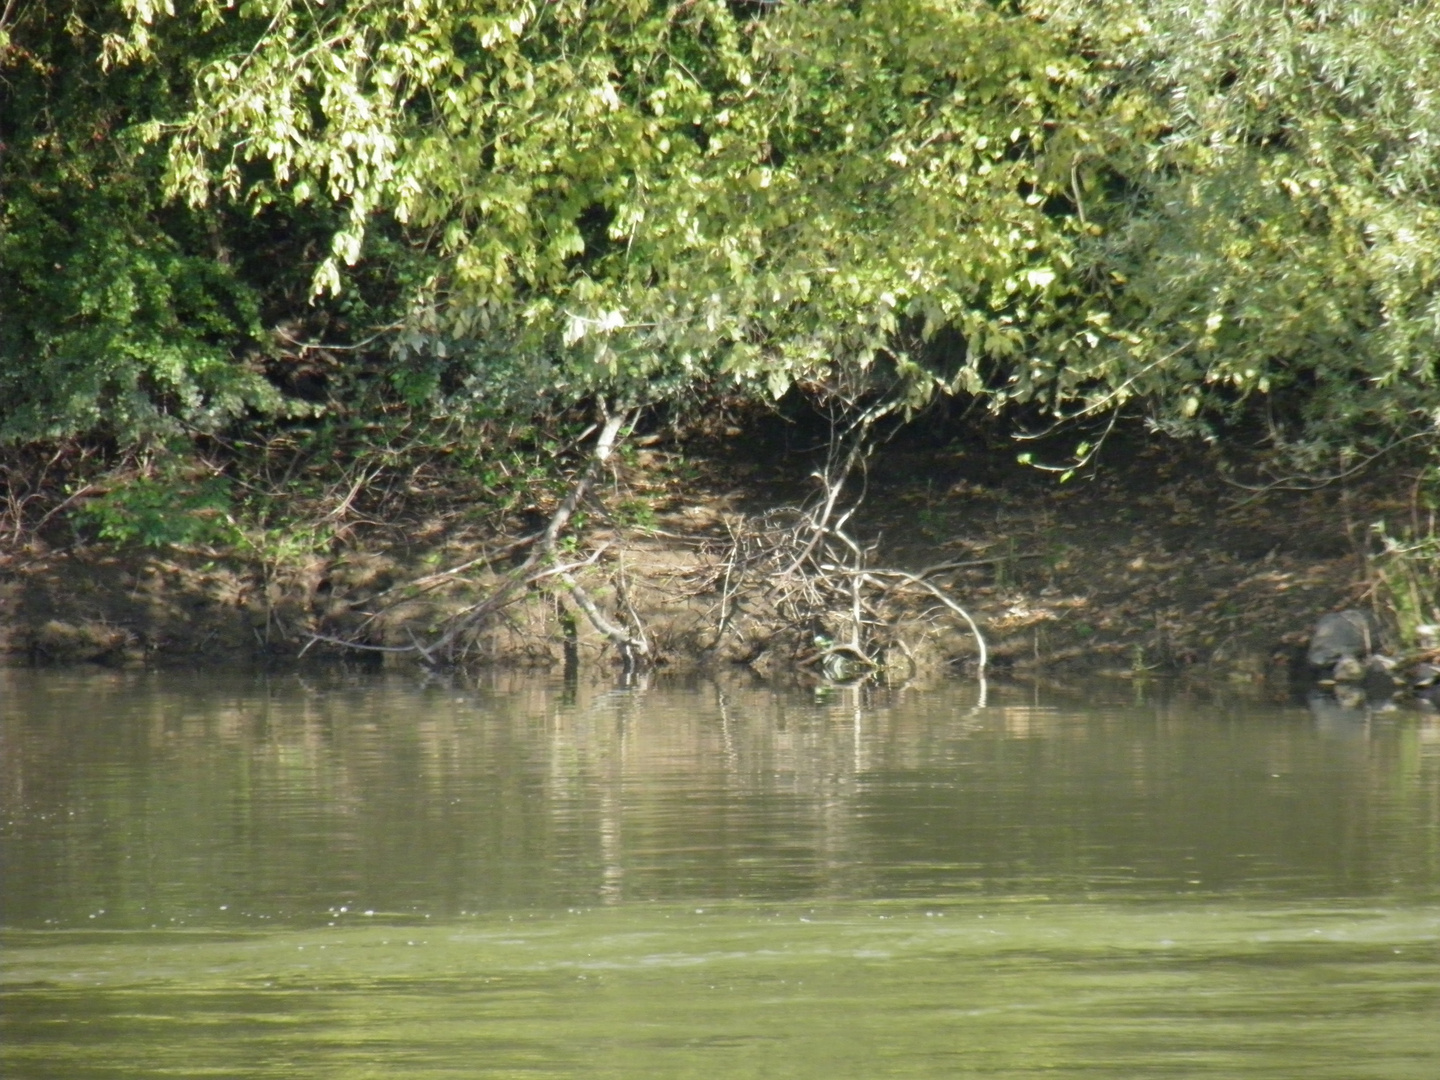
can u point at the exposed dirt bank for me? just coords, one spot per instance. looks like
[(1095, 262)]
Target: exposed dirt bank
[(1152, 564)]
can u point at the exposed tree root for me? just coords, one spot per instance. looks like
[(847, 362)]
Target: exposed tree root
[(793, 575), (452, 641), (819, 579)]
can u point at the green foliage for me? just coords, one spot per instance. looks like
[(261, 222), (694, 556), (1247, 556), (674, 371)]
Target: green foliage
[(171, 507), (634, 513), (453, 216), (1407, 568), (1271, 226), (645, 198), (121, 318)]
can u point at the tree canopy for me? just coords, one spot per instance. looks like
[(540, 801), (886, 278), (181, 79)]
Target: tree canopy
[(1276, 234), (116, 315), (639, 196), (1081, 205)]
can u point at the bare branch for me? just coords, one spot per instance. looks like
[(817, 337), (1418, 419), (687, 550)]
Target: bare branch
[(542, 547)]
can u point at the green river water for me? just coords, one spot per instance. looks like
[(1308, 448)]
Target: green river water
[(338, 875)]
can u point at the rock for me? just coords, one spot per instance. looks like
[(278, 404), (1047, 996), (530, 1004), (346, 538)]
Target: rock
[(1348, 670), (1424, 675), (1341, 635), (1380, 675)]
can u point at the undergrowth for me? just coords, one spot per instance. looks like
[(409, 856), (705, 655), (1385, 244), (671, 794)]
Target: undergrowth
[(1406, 569)]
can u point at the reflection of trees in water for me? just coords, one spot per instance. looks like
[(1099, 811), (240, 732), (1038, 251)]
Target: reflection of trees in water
[(164, 796)]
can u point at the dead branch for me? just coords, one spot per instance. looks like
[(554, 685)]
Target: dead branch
[(530, 570), (819, 579), (798, 567), (633, 647), (934, 590)]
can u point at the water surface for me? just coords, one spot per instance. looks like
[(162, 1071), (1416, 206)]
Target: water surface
[(345, 876)]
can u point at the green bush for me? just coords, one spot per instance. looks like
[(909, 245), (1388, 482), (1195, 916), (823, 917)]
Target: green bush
[(169, 508), (123, 316)]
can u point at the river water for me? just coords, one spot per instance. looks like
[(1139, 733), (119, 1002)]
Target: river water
[(349, 876)]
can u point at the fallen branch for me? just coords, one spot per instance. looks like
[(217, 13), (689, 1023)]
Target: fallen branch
[(632, 648), (816, 577), (934, 590), (527, 572)]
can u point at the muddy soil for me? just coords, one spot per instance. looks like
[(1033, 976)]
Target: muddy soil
[(1152, 563)]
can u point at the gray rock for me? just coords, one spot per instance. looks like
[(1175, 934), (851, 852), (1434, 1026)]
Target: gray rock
[(1353, 635), (1348, 670)]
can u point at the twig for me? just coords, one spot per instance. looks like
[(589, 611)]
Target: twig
[(1119, 393), (469, 564), (1315, 483), (940, 568), (833, 480)]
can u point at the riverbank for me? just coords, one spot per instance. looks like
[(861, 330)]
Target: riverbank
[(1153, 563)]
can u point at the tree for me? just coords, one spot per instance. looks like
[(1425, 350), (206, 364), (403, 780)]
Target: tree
[(121, 319), (640, 198), (1279, 236)]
